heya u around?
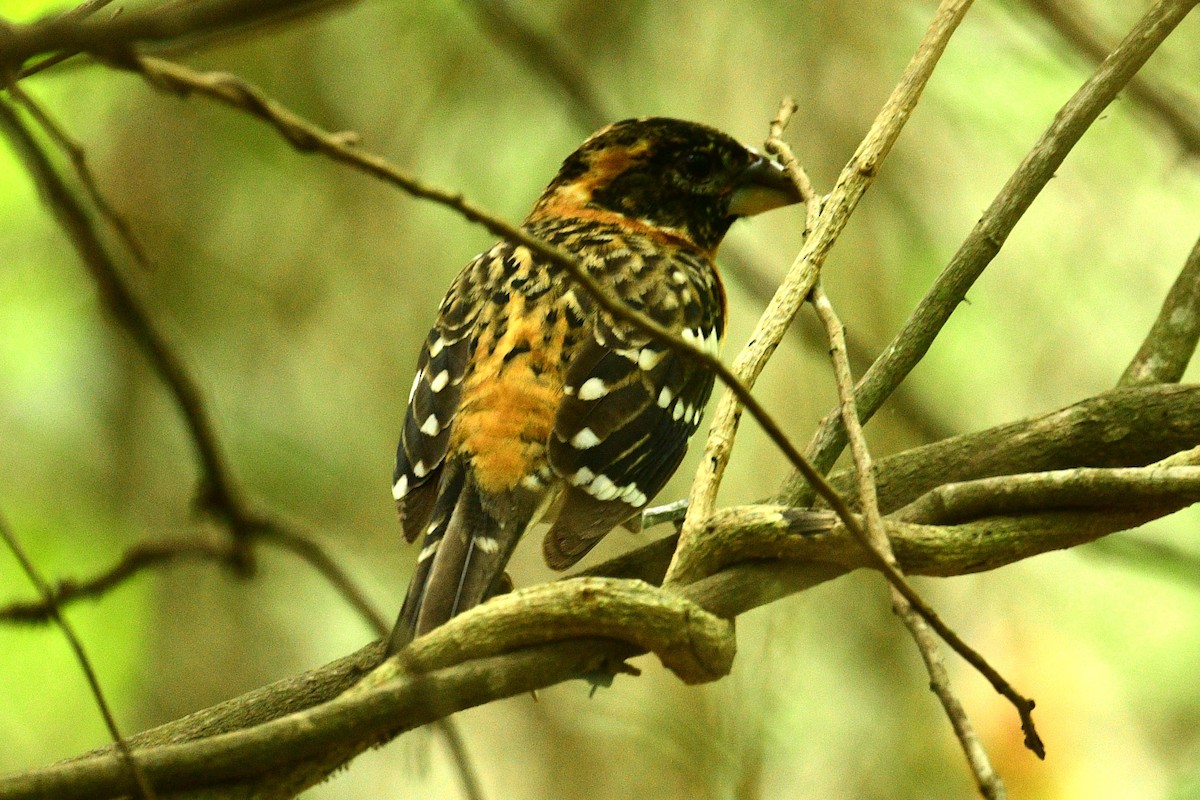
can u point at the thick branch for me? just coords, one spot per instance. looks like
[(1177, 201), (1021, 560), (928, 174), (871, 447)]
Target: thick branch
[(246, 736)]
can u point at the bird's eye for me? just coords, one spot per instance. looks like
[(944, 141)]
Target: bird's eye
[(698, 166)]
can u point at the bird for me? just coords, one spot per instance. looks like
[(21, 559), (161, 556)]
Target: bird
[(531, 403)]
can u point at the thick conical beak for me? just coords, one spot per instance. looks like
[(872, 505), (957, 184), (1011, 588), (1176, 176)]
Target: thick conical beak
[(762, 186)]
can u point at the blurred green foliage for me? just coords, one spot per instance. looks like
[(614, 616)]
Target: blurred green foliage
[(298, 292)]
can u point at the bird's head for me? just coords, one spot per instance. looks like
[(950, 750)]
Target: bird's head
[(682, 178)]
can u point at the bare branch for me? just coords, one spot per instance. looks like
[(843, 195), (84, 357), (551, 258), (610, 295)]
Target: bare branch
[(1084, 487), (135, 560), (851, 184), (81, 11), (114, 38), (221, 495), (130, 763), (1171, 342), (989, 783), (78, 157), (1155, 99), (310, 724), (989, 234)]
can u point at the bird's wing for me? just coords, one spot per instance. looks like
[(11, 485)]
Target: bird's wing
[(630, 406), (433, 404)]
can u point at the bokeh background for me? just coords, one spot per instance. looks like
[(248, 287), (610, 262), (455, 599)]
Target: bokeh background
[(299, 292)]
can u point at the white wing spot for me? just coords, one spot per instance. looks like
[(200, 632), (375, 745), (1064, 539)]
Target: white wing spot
[(420, 470), (713, 342), (602, 488), (584, 439), (400, 488), (665, 397), (584, 475), (431, 427), (593, 389), (428, 550), (677, 410), (439, 382), (679, 277), (487, 544), (629, 353), (531, 482), (634, 496), (437, 346), (649, 358)]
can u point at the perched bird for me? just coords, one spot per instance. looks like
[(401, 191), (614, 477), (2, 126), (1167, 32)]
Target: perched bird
[(530, 402)]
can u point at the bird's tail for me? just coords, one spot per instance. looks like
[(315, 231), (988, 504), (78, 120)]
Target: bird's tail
[(461, 562)]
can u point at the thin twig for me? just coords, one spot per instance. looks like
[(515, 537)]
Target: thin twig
[(135, 560), (220, 491), (140, 782), (851, 184), (79, 12), (1169, 346), (1142, 90), (989, 783), (78, 158), (988, 236)]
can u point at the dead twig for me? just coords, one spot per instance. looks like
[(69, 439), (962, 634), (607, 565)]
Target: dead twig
[(989, 783), (135, 773), (851, 184), (988, 236), (1169, 346)]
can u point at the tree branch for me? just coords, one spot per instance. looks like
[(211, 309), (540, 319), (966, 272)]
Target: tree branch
[(248, 737), (1142, 90), (989, 783), (1171, 342), (849, 188), (133, 769), (988, 236)]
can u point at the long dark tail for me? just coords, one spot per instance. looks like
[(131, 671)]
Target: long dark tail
[(461, 562)]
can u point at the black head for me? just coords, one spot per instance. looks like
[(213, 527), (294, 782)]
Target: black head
[(683, 177)]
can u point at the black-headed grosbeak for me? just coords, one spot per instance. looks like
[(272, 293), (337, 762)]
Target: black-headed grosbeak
[(530, 402)]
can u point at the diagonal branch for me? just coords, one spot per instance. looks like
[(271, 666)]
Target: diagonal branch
[(1169, 346), (986, 778), (1070, 26), (851, 184), (131, 764), (988, 236)]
